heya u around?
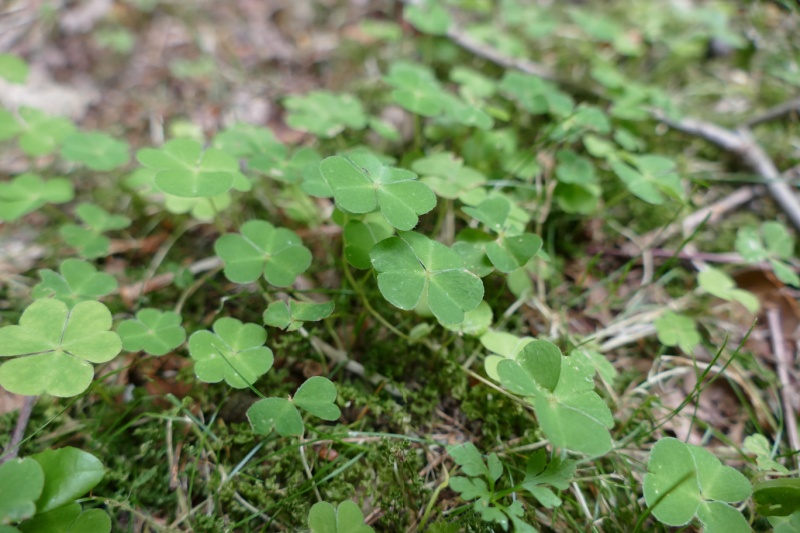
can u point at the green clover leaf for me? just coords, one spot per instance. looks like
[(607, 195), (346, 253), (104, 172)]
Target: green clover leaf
[(652, 179), (77, 282), (428, 16), (536, 95), (415, 88), (511, 249), (234, 352), (325, 114), (719, 284), (204, 209), (291, 315), (183, 168), (360, 237), (40, 133), (317, 396), (361, 184), (245, 140), (561, 389), (347, 518), (97, 151), (684, 481), (772, 243), (89, 240), (278, 165), (447, 175), (413, 269), (262, 249), (677, 330), (28, 192), (578, 190), (13, 68), (21, 484), (153, 331), (56, 346)]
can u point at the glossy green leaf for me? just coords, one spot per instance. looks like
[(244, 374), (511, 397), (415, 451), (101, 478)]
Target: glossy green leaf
[(98, 151), (28, 192), (361, 184), (68, 519), (325, 114), (234, 352), (262, 249), (153, 331), (677, 330), (683, 481), (78, 281), (21, 484), (719, 284), (278, 413), (412, 266), (290, 315), (347, 518), (56, 347), (69, 473), (183, 168)]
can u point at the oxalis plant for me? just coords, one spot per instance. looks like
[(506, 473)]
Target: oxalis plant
[(442, 229)]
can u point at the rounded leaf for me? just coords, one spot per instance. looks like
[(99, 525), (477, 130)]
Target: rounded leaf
[(278, 413), (318, 396), (153, 331), (69, 473)]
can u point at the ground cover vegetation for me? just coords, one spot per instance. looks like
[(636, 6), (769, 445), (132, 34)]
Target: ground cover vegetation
[(439, 266)]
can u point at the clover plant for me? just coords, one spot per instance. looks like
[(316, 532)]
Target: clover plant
[(317, 396), (27, 193), (771, 243), (88, 238), (78, 281), (98, 151), (347, 517), (153, 331), (291, 315)]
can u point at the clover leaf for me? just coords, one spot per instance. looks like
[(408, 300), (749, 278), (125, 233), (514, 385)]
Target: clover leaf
[(347, 518), (447, 175), (415, 88), (204, 209), (677, 330), (56, 346), (572, 415), (577, 190), (428, 16), (772, 243), (262, 249), (21, 483), (476, 322), (719, 284), (684, 481), (361, 183), (511, 249), (78, 281), (97, 151), (89, 239), (183, 168), (534, 94), (278, 165), (234, 352), (557, 473), (317, 396), (28, 192), (652, 179), (291, 315), (360, 237), (413, 269), (40, 133), (245, 140), (13, 68), (503, 345), (325, 114), (153, 331)]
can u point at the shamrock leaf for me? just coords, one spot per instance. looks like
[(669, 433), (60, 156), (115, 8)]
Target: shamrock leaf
[(772, 243), (719, 284), (291, 315), (428, 16), (56, 346), (13, 68), (360, 237), (561, 389), (347, 518), (684, 481), (262, 249), (535, 95), (557, 473), (361, 184), (578, 190), (278, 165), (413, 268), (447, 175), (184, 169), (21, 483), (40, 133), (77, 282), (415, 89), (324, 113), (246, 140), (317, 396), (503, 345), (28, 192), (234, 352), (473, 83), (97, 151), (677, 330), (653, 177), (511, 249), (476, 322), (89, 238), (153, 331)]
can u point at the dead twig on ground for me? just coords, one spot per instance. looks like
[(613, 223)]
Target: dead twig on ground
[(783, 364), (19, 429)]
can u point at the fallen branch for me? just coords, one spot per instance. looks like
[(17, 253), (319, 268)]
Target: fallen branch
[(783, 363), (778, 111)]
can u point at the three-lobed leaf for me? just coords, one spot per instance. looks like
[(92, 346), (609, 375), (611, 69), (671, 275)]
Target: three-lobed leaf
[(290, 315), (78, 280), (153, 331), (262, 249), (28, 192), (317, 396), (98, 151), (88, 238), (346, 518), (55, 347), (677, 330)]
